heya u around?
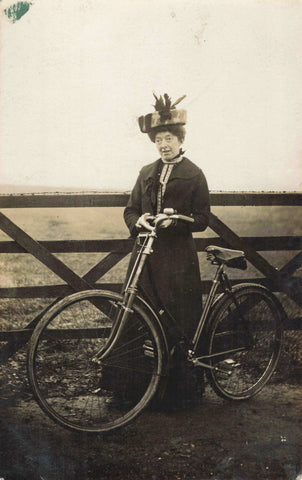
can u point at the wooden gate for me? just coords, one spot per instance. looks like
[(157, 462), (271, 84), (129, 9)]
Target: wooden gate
[(277, 280)]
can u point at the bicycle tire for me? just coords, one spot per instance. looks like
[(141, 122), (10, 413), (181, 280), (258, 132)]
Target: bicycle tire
[(255, 330), (72, 386)]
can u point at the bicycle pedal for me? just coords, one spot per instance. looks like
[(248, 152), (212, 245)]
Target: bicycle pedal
[(148, 349), (227, 366), (231, 363)]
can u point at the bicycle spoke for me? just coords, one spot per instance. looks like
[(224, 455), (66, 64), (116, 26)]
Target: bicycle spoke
[(245, 342), (77, 389)]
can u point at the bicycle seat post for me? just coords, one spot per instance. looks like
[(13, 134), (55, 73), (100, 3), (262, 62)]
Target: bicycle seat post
[(216, 282), (225, 282)]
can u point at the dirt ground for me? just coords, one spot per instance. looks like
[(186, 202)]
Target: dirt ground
[(254, 440)]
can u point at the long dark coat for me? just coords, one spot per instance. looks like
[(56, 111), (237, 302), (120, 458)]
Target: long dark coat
[(171, 278)]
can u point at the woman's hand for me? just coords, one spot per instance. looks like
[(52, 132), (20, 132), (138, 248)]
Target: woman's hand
[(164, 223), (143, 221)]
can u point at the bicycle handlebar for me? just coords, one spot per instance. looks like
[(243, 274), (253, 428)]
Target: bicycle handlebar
[(162, 217), (184, 218), (173, 215)]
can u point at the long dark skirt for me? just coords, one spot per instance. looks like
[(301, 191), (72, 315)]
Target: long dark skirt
[(171, 281)]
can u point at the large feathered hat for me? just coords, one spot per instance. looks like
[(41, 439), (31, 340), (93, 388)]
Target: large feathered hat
[(165, 114)]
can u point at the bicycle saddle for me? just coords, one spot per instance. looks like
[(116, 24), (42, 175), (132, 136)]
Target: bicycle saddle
[(231, 258)]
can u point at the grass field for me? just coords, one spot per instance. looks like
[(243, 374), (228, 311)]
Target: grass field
[(104, 223)]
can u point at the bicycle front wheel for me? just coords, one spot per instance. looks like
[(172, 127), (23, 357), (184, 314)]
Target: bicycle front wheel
[(244, 341), (70, 381)]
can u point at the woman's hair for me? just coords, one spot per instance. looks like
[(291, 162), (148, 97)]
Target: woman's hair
[(178, 130)]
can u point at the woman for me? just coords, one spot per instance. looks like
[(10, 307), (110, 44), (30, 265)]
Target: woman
[(171, 279)]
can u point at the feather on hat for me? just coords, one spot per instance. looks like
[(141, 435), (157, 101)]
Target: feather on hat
[(165, 114)]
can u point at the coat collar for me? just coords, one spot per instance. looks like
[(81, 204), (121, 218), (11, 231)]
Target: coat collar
[(184, 169)]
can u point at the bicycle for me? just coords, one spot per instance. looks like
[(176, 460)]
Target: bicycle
[(94, 336)]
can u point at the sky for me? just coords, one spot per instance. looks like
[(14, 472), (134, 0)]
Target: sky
[(75, 76)]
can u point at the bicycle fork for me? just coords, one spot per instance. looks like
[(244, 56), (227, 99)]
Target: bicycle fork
[(128, 300)]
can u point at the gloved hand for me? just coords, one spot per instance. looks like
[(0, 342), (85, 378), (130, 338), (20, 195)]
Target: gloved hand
[(143, 221), (165, 223)]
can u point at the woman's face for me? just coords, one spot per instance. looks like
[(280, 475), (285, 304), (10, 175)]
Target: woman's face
[(167, 144)]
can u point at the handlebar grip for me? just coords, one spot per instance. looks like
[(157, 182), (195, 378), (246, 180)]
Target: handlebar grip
[(184, 218)]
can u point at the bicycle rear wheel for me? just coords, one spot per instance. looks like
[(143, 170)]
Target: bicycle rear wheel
[(70, 382), (244, 341)]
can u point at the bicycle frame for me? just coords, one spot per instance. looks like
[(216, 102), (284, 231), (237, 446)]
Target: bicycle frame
[(131, 293)]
